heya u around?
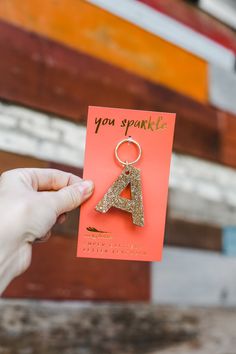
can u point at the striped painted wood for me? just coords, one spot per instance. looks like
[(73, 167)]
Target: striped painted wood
[(197, 20), (64, 276), (181, 233), (190, 277), (212, 188), (76, 80), (222, 89), (224, 10), (202, 191), (170, 30), (40, 135), (99, 33)]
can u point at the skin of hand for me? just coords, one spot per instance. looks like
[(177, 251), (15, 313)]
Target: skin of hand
[(31, 201)]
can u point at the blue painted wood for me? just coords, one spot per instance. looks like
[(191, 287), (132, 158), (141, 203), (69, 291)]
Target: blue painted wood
[(229, 241)]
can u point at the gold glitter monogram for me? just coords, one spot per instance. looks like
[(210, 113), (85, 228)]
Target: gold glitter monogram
[(129, 175)]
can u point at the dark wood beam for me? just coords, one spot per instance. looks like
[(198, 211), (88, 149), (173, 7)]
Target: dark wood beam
[(48, 76)]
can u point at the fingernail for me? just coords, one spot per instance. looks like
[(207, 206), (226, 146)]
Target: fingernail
[(86, 188)]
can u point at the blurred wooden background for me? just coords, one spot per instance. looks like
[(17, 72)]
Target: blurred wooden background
[(56, 58)]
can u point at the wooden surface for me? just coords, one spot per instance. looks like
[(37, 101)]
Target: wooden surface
[(94, 328), (186, 234), (10, 161), (170, 30), (194, 277), (228, 139), (56, 273), (114, 328), (65, 277), (76, 80), (222, 89), (229, 241), (223, 11), (81, 55), (90, 29), (197, 20)]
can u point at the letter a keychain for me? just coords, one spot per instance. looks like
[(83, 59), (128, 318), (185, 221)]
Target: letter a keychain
[(129, 175)]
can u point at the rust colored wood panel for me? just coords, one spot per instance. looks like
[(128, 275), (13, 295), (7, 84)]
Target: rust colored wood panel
[(10, 161), (45, 75), (71, 169), (228, 139), (197, 20), (90, 29), (64, 276), (42, 74), (56, 273), (192, 235)]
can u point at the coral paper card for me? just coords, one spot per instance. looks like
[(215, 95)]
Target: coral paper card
[(112, 234)]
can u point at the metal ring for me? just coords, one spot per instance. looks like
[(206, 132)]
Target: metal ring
[(128, 140)]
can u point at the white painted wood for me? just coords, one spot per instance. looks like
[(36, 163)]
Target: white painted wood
[(189, 277), (200, 191), (169, 29), (224, 10), (28, 132), (222, 88)]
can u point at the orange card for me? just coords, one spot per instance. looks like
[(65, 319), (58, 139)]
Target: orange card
[(114, 230)]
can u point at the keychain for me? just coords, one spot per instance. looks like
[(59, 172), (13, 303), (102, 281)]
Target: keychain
[(129, 175)]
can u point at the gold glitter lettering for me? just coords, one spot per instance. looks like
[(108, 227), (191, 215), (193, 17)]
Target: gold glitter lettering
[(130, 175)]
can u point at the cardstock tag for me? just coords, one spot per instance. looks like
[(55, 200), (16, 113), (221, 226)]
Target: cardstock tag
[(112, 235)]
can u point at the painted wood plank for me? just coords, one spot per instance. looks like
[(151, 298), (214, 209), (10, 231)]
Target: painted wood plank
[(28, 77), (210, 185), (64, 276), (170, 30), (179, 233), (190, 277), (28, 132), (229, 241), (90, 29), (224, 10), (198, 20), (10, 161), (199, 128), (200, 190), (222, 89), (228, 139), (183, 233)]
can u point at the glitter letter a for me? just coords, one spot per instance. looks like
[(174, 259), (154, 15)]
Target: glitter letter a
[(134, 205)]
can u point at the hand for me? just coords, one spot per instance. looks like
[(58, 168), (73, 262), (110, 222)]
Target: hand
[(31, 202)]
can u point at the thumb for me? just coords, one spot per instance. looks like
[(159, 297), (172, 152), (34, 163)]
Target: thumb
[(70, 197)]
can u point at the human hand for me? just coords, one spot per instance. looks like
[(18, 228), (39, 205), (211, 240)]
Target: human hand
[(31, 202)]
